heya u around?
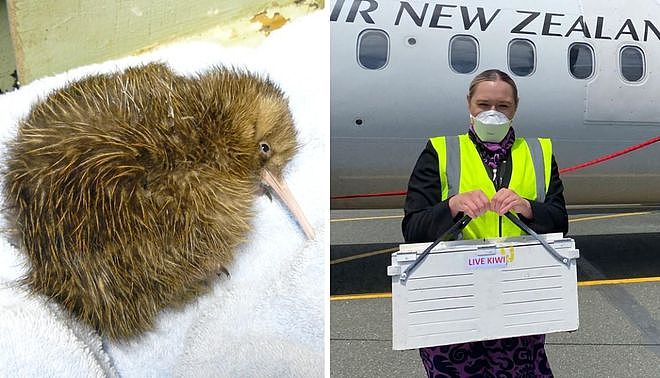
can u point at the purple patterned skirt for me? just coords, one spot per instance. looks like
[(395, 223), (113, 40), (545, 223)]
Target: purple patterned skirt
[(511, 358)]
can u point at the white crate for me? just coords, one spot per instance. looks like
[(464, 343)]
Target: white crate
[(474, 290)]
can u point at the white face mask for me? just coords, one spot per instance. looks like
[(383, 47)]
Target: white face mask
[(491, 125)]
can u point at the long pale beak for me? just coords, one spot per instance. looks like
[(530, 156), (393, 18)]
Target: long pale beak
[(282, 190)]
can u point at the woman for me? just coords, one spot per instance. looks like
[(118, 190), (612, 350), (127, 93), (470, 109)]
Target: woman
[(485, 174)]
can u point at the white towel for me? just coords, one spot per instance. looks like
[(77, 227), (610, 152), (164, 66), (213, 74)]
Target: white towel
[(267, 319)]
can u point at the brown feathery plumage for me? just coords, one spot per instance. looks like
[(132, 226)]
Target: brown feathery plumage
[(130, 190)]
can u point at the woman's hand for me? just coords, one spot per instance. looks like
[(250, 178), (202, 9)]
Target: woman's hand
[(506, 199), (472, 203)]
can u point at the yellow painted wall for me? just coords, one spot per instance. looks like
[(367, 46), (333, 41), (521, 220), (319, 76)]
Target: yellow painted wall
[(55, 35), (7, 60)]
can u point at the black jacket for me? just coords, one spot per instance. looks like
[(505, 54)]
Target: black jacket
[(427, 217)]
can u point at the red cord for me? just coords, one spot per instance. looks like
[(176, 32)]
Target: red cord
[(565, 170), (610, 156)]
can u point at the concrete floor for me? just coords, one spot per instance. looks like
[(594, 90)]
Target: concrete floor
[(619, 323)]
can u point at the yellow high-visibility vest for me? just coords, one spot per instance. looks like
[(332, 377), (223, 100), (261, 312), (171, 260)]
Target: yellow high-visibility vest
[(462, 170)]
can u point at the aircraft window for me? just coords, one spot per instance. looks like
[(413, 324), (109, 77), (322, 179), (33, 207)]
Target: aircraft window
[(522, 57), (581, 60), (373, 49), (631, 59), (463, 54)]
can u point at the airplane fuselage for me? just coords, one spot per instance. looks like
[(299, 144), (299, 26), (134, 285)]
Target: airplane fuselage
[(588, 75)]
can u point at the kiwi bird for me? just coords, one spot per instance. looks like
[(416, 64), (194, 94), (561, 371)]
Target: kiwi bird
[(130, 191)]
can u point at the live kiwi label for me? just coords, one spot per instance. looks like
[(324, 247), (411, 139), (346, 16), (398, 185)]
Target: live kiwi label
[(491, 261)]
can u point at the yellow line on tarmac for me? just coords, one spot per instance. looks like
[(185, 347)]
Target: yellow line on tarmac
[(608, 216), (361, 255), (365, 218), (390, 250), (348, 297), (619, 281), (360, 296), (570, 220)]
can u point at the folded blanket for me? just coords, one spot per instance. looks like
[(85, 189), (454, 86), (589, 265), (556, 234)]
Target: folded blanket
[(267, 318), (37, 338)]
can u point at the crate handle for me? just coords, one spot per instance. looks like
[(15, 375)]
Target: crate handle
[(458, 226), (545, 244), (450, 234)]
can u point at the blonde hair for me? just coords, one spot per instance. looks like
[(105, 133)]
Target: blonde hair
[(493, 75)]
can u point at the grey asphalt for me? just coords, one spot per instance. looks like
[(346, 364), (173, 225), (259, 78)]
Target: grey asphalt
[(619, 323)]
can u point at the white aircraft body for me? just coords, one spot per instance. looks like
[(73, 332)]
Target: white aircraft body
[(588, 75)]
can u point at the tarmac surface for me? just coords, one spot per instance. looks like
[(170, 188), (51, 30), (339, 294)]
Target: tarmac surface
[(618, 294)]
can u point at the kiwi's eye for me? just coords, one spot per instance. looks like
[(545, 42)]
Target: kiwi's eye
[(265, 148)]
